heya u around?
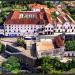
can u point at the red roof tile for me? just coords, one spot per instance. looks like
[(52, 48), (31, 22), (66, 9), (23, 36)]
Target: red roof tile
[(13, 18), (58, 41)]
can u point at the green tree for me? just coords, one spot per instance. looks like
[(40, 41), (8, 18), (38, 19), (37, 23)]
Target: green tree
[(46, 66), (12, 64), (49, 5), (54, 15), (21, 42), (2, 47)]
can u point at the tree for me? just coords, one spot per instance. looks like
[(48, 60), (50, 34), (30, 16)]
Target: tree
[(49, 5), (46, 66), (2, 47), (54, 15), (12, 64)]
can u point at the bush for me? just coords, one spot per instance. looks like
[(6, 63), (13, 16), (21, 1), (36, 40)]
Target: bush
[(53, 65), (12, 64), (70, 45), (2, 47), (21, 42)]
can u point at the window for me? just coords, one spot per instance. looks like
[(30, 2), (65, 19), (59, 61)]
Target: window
[(9, 31), (14, 30), (72, 30), (49, 28), (72, 54), (58, 30), (34, 31), (18, 31), (9, 28), (65, 30), (68, 54), (54, 30), (46, 28), (5, 25)]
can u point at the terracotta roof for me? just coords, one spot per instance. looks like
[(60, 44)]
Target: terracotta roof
[(58, 41), (37, 6), (13, 18)]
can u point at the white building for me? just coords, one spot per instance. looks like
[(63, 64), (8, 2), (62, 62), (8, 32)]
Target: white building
[(38, 21), (23, 23)]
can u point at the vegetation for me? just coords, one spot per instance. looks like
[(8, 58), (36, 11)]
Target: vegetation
[(21, 7), (53, 65), (21, 42), (7, 5), (54, 15), (49, 5), (12, 64), (2, 47), (71, 11), (70, 45)]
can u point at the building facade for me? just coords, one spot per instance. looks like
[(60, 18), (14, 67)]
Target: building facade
[(38, 21)]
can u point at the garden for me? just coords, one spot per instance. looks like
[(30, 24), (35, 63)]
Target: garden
[(54, 66)]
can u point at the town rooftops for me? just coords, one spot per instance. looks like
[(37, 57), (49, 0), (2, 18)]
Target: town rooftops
[(37, 6), (27, 17)]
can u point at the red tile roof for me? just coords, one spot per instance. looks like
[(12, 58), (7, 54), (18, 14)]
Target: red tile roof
[(58, 41), (37, 6), (13, 18)]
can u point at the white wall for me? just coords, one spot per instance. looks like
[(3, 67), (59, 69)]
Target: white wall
[(23, 29)]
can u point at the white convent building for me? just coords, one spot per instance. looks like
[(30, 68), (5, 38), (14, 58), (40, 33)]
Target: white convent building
[(20, 23)]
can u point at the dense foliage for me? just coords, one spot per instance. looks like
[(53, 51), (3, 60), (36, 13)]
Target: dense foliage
[(54, 15), (49, 5), (71, 11), (12, 64), (2, 47), (70, 45), (53, 65), (21, 42)]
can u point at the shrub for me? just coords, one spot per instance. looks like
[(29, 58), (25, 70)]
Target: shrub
[(21, 42), (2, 47), (12, 64)]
